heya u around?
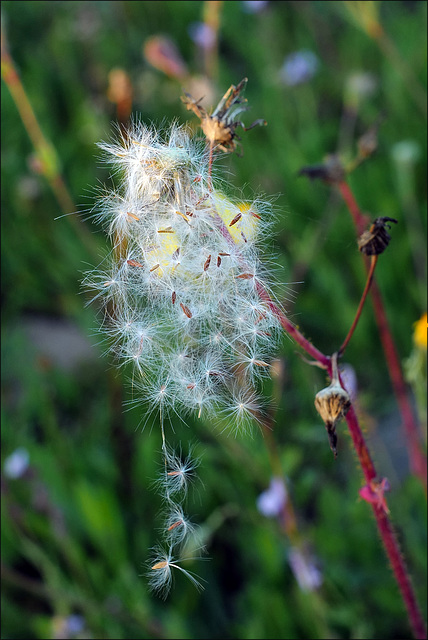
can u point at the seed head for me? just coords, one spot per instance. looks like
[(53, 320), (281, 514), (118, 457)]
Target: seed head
[(183, 275)]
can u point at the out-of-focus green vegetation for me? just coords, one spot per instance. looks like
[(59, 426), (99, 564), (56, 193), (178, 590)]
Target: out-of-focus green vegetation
[(79, 518)]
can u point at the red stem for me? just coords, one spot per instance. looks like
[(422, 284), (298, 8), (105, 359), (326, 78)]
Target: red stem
[(384, 526), (418, 463), (360, 306), (391, 545), (386, 530)]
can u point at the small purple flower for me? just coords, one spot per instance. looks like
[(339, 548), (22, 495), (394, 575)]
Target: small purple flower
[(74, 624), (271, 502), (254, 6), (299, 67), (16, 464), (306, 573), (202, 35)]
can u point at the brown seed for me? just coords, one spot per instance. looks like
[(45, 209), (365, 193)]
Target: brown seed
[(207, 262), (246, 276), (235, 219), (218, 261), (176, 524), (132, 215), (134, 263), (155, 267), (183, 216), (261, 363), (160, 565), (166, 230), (186, 310), (173, 297)]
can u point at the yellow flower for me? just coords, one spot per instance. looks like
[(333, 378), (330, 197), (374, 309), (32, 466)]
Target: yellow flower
[(420, 332)]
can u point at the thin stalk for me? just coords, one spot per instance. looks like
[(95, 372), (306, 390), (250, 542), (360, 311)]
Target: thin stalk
[(45, 151), (386, 531), (384, 525), (360, 306), (418, 463)]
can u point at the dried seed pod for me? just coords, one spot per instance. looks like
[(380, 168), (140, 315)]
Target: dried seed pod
[(330, 172), (220, 126), (332, 403), (376, 239)]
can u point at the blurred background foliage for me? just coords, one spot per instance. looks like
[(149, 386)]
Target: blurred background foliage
[(79, 512)]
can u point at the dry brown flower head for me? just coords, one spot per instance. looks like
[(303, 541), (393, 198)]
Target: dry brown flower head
[(220, 126), (376, 239)]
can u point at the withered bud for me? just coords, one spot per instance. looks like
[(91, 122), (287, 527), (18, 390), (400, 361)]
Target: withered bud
[(220, 126), (368, 143), (376, 239), (330, 172), (332, 403)]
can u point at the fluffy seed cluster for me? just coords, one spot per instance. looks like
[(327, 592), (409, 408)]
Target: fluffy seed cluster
[(185, 291)]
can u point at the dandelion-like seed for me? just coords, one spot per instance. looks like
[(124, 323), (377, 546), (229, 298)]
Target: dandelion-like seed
[(160, 574)]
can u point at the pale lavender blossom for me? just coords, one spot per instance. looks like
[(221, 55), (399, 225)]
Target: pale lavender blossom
[(299, 67), (271, 502), (202, 35), (306, 573), (254, 6), (16, 464), (75, 624)]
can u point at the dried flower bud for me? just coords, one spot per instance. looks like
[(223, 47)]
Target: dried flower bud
[(376, 239), (220, 126), (368, 143), (332, 403), (330, 172)]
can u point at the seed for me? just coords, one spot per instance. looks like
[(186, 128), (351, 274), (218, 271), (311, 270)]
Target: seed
[(235, 219), (132, 215), (183, 216), (186, 310), (176, 524)]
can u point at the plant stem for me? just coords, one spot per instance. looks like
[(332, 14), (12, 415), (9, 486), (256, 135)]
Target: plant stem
[(360, 306), (386, 530), (46, 153), (418, 463), (384, 526)]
